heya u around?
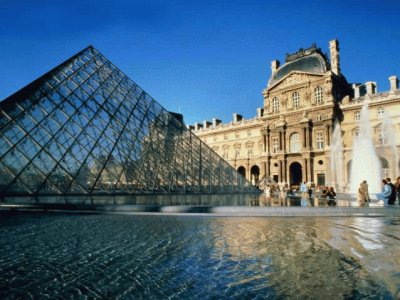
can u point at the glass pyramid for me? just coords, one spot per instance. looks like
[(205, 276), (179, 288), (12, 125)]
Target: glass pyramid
[(86, 128)]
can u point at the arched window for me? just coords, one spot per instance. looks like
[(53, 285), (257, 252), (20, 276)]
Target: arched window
[(318, 96), (296, 99), (295, 143), (275, 105)]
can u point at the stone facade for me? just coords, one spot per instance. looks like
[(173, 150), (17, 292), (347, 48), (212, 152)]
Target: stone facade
[(289, 139)]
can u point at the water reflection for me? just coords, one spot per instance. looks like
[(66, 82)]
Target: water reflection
[(120, 256)]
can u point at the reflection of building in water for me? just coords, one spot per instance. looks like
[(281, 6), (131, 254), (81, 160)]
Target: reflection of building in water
[(282, 253), (289, 139)]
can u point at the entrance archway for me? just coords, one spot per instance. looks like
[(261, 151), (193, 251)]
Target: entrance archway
[(254, 174), (242, 171), (295, 171)]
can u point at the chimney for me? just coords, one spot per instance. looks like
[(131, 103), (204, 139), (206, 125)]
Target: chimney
[(190, 127), (371, 87), (198, 126), (216, 122), (206, 124), (394, 83), (274, 66), (237, 118), (335, 60), (356, 88), (260, 112)]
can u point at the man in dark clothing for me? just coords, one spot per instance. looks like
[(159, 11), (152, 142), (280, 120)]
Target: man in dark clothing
[(392, 197), (398, 188)]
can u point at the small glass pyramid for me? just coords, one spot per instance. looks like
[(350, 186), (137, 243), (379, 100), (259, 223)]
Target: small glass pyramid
[(86, 128)]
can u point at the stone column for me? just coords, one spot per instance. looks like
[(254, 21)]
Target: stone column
[(284, 142), (328, 135), (305, 172), (310, 139), (286, 171)]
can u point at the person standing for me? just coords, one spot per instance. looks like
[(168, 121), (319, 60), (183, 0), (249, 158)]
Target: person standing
[(303, 190), (392, 197), (331, 195), (364, 188), (361, 196), (398, 189)]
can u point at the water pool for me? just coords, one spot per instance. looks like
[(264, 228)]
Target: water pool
[(70, 255)]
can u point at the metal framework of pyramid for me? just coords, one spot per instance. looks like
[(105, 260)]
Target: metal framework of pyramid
[(86, 128)]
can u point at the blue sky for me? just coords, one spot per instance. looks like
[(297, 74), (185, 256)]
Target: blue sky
[(204, 59)]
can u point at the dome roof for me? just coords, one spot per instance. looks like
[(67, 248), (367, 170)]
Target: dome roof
[(312, 63)]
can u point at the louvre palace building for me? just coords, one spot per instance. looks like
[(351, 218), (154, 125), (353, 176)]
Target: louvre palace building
[(290, 138)]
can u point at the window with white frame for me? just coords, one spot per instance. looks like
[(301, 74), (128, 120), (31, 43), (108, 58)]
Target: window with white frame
[(357, 116), (318, 95), (296, 99), (275, 105), (381, 112), (275, 145), (237, 152), (381, 135), (320, 140), (295, 143)]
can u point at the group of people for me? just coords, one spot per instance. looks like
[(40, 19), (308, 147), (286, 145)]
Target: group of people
[(390, 191), (388, 195), (321, 191)]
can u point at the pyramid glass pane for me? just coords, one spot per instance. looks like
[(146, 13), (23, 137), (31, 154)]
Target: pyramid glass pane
[(86, 128)]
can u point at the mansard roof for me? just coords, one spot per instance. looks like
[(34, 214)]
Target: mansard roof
[(310, 60)]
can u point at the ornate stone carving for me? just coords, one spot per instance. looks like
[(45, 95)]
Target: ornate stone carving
[(293, 79)]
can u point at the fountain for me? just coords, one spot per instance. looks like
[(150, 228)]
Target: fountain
[(391, 142), (336, 156), (365, 163)]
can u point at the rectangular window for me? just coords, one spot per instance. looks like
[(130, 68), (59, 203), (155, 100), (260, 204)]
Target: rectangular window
[(275, 145), (320, 141), (321, 179), (381, 136)]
